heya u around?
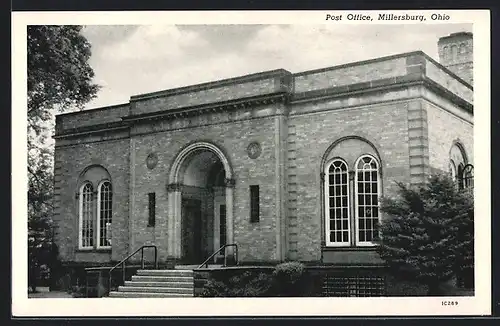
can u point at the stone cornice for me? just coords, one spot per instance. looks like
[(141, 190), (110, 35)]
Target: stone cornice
[(378, 85), (99, 128), (214, 84), (280, 97)]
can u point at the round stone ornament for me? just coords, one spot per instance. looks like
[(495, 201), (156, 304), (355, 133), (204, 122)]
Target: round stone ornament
[(151, 161), (254, 150)]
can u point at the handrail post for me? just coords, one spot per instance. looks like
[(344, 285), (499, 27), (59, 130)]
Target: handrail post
[(142, 258), (123, 272), (156, 257)]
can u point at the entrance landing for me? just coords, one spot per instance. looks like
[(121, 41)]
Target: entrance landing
[(210, 266)]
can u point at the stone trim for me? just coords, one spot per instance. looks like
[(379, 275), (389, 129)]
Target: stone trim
[(378, 85), (229, 182), (99, 128), (418, 142), (174, 187), (214, 84), (359, 63), (195, 110)]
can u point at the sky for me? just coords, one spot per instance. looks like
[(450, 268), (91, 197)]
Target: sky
[(136, 59)]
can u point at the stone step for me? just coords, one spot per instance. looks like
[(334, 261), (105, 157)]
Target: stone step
[(161, 284), (147, 278), (151, 289), (165, 272), (148, 295)]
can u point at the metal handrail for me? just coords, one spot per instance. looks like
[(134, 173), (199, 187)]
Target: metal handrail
[(124, 260), (205, 263)]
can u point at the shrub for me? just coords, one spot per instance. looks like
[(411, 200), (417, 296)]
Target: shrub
[(247, 284), (289, 279), (430, 235)]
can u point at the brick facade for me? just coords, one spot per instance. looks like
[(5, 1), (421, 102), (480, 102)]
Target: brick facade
[(404, 110)]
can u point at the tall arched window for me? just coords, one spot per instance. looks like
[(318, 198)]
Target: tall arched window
[(104, 214), (468, 177), (86, 216), (367, 190), (460, 176), (337, 202), (453, 170), (454, 52), (95, 199)]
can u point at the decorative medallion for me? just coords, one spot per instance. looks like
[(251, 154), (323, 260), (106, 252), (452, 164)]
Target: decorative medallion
[(254, 150), (151, 161)]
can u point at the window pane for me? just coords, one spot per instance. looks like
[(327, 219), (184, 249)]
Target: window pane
[(331, 179), (367, 188), (367, 206), (87, 216), (337, 178), (337, 201), (105, 214)]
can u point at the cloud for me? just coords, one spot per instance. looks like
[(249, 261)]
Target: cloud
[(155, 42), (153, 58)]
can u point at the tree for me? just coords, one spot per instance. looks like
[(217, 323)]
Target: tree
[(59, 79), (429, 235)]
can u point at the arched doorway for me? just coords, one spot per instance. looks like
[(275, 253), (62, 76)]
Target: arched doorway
[(200, 203)]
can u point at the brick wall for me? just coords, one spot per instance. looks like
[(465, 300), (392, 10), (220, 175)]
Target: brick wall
[(69, 163), (448, 81), (410, 127), (247, 86), (385, 126), (91, 117), (349, 74), (445, 128), (257, 240)]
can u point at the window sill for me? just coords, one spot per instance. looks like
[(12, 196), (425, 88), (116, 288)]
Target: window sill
[(349, 248), (94, 250)]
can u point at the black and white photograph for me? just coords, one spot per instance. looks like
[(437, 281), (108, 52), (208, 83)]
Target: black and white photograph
[(189, 161)]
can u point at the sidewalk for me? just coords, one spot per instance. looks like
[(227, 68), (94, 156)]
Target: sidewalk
[(43, 292)]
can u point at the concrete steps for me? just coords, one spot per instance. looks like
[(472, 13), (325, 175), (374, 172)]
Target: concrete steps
[(157, 283)]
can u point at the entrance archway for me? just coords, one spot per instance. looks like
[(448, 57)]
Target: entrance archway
[(200, 196)]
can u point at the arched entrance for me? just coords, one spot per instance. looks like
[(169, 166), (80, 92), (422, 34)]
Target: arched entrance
[(200, 195)]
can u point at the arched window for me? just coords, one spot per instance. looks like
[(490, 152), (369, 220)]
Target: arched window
[(454, 52), (446, 53), (460, 176), (468, 177), (458, 158), (95, 199), (463, 48), (337, 204), (453, 170), (86, 216), (104, 214), (367, 190)]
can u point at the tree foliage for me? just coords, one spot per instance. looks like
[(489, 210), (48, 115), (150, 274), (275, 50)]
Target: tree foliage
[(429, 234), (59, 79), (59, 75)]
